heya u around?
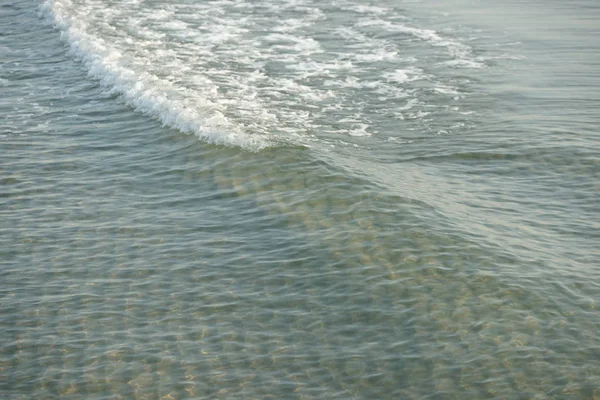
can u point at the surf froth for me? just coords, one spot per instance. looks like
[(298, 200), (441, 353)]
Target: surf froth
[(148, 93), (263, 74)]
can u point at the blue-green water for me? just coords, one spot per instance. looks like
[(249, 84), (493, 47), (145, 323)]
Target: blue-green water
[(299, 199)]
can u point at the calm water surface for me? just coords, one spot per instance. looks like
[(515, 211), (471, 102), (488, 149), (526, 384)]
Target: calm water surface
[(299, 199)]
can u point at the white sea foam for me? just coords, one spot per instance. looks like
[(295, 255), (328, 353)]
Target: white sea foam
[(291, 25), (366, 9), (377, 54), (405, 75), (359, 130), (144, 91), (460, 63), (352, 82), (314, 68), (255, 74), (462, 54), (398, 140), (298, 44), (409, 105), (446, 90)]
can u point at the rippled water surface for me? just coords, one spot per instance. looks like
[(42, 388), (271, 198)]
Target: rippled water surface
[(299, 199)]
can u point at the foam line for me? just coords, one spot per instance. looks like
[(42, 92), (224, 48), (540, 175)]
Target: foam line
[(145, 92)]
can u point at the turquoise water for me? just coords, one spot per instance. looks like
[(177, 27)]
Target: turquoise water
[(299, 199)]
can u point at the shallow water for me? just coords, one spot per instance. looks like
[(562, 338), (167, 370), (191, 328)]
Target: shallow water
[(293, 199)]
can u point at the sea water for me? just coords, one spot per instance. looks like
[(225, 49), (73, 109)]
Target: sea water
[(299, 199)]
